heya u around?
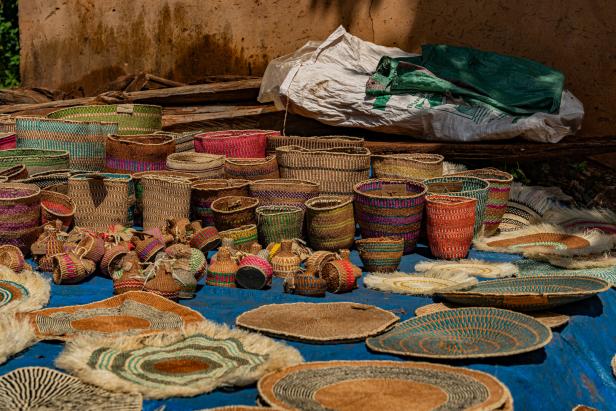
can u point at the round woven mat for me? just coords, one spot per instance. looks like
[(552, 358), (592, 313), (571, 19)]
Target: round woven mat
[(22, 292), (477, 268), (39, 388), (409, 284), (474, 332), (536, 268), (318, 322), (381, 385)]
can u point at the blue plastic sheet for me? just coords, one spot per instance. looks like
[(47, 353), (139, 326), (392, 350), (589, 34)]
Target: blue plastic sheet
[(573, 369)]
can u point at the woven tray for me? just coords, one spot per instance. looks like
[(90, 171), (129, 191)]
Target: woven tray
[(400, 283), (534, 268), (475, 332), (318, 323), (477, 268)]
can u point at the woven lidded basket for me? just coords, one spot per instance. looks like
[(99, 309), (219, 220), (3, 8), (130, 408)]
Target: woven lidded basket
[(57, 206), (498, 195), (417, 166), (136, 153), (84, 140), (164, 198), (336, 170), (234, 143), (463, 187), (252, 168), (18, 172), (201, 165), (100, 200), (283, 191), (234, 211), (35, 160), (380, 254), (276, 223), (204, 192), (131, 118), (330, 222), (450, 224), (8, 140), (312, 143), (390, 208), (20, 212), (243, 237)]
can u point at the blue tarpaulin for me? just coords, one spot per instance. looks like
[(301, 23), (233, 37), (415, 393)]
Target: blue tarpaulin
[(573, 369)]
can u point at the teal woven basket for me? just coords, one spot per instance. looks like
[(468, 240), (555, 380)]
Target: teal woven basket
[(85, 141), (36, 160), (131, 118)]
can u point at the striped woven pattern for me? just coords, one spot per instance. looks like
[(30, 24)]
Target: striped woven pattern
[(381, 254), (131, 118), (254, 272), (200, 164), (285, 263), (12, 257), (450, 224), (20, 212), (417, 166), (336, 170), (204, 192), (312, 143), (221, 273), (252, 168), (340, 276), (284, 191), (12, 292), (330, 222), (8, 141), (164, 198), (234, 143), (131, 154), (36, 160), (85, 141), (205, 239), (68, 268), (463, 187), (390, 208), (18, 172), (57, 206), (277, 223), (243, 237), (464, 333), (53, 178), (305, 284)]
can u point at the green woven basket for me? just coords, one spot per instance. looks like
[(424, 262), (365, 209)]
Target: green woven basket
[(131, 118), (37, 161), (279, 222)]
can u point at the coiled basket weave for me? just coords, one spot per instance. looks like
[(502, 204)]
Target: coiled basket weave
[(200, 164), (35, 160), (205, 191), (312, 143), (252, 168)]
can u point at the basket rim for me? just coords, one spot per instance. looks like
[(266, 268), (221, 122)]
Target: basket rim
[(134, 139), (35, 191), (475, 190), (333, 137), (252, 203), (250, 161), (87, 106), (8, 134), (384, 239), (64, 197), (108, 177), (453, 201), (343, 201), (240, 229), (393, 181), (62, 120), (189, 156), (284, 182), (277, 209), (231, 183), (43, 152), (336, 151), (416, 157), (171, 173), (506, 177)]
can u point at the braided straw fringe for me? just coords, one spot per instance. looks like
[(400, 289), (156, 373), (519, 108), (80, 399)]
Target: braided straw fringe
[(38, 287)]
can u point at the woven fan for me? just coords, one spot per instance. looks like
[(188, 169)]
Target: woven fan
[(426, 283)]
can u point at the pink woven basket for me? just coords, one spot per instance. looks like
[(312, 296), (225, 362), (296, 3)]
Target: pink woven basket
[(234, 143)]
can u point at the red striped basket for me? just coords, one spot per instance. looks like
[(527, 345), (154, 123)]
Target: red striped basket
[(234, 143), (450, 223)]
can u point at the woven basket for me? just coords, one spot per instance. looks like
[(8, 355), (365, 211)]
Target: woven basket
[(277, 223), (252, 168), (312, 143), (20, 212), (450, 224), (85, 141), (234, 211), (57, 206), (463, 187), (284, 191), (131, 154), (69, 268), (164, 198), (183, 141), (221, 273), (204, 238), (131, 118), (234, 143), (330, 222), (8, 140), (51, 178), (254, 272), (7, 123), (390, 208), (336, 170), (498, 195), (101, 200), (36, 161), (341, 275), (204, 192), (286, 263), (200, 164), (14, 173), (380, 254), (243, 237), (417, 166), (306, 285)]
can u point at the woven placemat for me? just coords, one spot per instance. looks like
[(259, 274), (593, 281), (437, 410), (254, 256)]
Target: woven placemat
[(426, 283), (318, 322), (477, 268), (39, 388), (23, 292), (535, 268), (462, 333), (382, 385), (196, 360)]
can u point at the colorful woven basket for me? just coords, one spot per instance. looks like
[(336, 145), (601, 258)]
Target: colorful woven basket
[(380, 254), (234, 143), (450, 224), (68, 268), (204, 239), (85, 141), (312, 143), (341, 275), (131, 118), (13, 258), (234, 211), (204, 192), (57, 206), (101, 200), (390, 208), (183, 141), (111, 256), (221, 273), (252, 168), (243, 237), (254, 272), (336, 170), (20, 213), (51, 178), (8, 140), (330, 222), (18, 172), (284, 191), (277, 223), (417, 166), (463, 187), (201, 165), (37, 161), (164, 198), (285, 263), (498, 195), (305, 284), (131, 154)]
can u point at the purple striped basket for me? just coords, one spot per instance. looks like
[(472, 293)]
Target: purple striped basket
[(20, 213), (133, 154)]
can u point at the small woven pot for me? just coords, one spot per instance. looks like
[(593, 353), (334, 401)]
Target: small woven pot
[(390, 208), (313, 143), (381, 254), (450, 224), (200, 164), (57, 206), (341, 275), (498, 196), (18, 172), (20, 212), (252, 168), (35, 160), (204, 192), (221, 273), (164, 198), (69, 268), (205, 239), (234, 143), (305, 284), (127, 274), (317, 260), (283, 191), (92, 248), (132, 154), (111, 257), (8, 140), (330, 222), (285, 263), (463, 187), (163, 284), (12, 257), (277, 223), (234, 211), (147, 247), (254, 272), (416, 166), (243, 237)]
